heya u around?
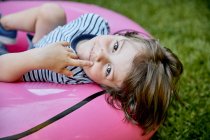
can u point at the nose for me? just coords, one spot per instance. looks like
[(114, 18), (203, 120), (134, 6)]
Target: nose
[(101, 55)]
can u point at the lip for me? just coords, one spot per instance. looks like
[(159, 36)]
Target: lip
[(91, 52)]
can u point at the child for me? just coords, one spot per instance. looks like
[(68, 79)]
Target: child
[(139, 74)]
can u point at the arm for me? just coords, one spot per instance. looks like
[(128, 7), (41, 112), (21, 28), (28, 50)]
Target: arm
[(14, 65), (54, 57)]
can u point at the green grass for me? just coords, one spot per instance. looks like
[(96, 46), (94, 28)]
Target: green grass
[(184, 27)]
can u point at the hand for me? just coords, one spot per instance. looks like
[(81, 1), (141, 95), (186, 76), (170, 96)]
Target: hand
[(57, 56)]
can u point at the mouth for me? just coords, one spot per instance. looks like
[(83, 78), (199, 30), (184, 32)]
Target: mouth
[(91, 52)]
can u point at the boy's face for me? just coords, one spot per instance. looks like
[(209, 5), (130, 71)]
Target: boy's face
[(112, 57)]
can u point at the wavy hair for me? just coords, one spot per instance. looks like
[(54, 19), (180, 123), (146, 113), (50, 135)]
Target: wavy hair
[(149, 87)]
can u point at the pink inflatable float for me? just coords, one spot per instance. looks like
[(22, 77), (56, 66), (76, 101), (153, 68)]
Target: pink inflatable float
[(46, 111)]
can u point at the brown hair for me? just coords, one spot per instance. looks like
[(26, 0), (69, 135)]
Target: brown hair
[(148, 88)]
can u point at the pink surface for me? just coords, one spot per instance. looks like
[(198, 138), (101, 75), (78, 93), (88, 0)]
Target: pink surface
[(25, 105)]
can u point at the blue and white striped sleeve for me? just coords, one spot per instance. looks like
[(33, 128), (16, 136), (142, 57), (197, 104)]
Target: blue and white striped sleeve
[(86, 24)]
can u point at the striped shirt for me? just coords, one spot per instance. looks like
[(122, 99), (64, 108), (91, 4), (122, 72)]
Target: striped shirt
[(85, 24)]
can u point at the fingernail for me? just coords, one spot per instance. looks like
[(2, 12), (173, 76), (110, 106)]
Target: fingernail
[(70, 75)]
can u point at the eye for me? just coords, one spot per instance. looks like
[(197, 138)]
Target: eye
[(108, 70), (115, 47)]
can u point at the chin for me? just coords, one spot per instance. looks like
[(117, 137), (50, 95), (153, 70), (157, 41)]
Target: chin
[(84, 51), (82, 55)]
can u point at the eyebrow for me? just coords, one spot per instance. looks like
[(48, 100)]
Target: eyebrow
[(122, 46)]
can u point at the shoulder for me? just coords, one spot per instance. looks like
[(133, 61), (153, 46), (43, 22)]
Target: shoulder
[(95, 23), (91, 16)]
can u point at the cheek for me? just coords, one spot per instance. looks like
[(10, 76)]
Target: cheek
[(93, 73), (88, 71)]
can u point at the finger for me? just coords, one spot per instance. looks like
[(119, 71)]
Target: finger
[(82, 63), (64, 43), (72, 55), (67, 72), (70, 50)]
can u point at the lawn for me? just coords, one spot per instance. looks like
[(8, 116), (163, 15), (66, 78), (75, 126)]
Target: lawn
[(184, 27)]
